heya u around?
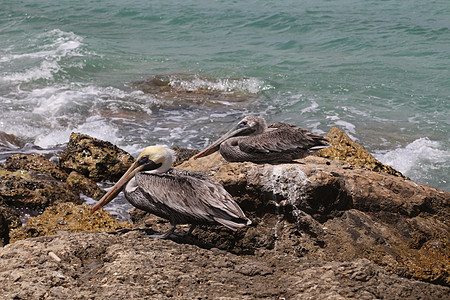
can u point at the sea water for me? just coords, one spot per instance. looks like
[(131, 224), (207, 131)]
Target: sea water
[(379, 70)]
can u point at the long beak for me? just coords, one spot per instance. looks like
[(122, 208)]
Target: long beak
[(117, 188), (216, 145)]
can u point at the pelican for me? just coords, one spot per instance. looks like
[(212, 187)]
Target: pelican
[(252, 140), (180, 196)]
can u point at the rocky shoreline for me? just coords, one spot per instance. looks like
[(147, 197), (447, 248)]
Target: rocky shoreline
[(333, 226)]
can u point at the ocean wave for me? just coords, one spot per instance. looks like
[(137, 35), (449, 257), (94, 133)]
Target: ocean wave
[(94, 126), (417, 158), (44, 60), (195, 83)]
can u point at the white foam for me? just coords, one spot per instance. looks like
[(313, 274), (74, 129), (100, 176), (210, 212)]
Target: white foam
[(346, 125), (45, 70), (250, 85), (45, 61), (418, 156), (312, 108), (94, 126)]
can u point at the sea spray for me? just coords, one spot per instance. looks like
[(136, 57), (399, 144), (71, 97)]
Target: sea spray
[(422, 158)]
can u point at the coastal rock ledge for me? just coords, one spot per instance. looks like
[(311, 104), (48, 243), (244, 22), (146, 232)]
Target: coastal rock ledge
[(129, 265), (322, 228)]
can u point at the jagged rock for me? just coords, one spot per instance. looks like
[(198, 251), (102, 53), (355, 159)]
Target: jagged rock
[(9, 219), (183, 154), (95, 159), (35, 163), (4, 230), (83, 184), (179, 89), (65, 218), (129, 265), (40, 165), (12, 217), (321, 228), (35, 191), (345, 149), (332, 210), (9, 141)]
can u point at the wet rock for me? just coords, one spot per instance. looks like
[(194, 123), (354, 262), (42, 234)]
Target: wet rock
[(331, 210), (183, 154), (35, 191), (4, 230), (179, 89), (345, 149), (65, 218), (83, 184), (11, 216), (124, 265), (38, 164), (95, 159), (35, 163), (321, 229), (9, 141)]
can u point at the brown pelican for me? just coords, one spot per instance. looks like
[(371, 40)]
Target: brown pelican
[(180, 196), (252, 140)]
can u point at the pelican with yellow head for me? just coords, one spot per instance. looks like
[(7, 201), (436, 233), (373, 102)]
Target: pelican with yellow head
[(179, 196)]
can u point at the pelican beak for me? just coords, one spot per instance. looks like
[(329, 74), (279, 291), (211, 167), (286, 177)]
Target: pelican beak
[(117, 188), (216, 145)]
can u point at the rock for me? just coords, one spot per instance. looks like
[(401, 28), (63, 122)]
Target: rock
[(345, 149), (332, 210), (183, 154), (129, 265), (145, 220), (35, 163), (4, 230), (35, 191), (183, 89), (12, 217), (321, 229), (65, 218), (95, 159), (84, 185), (9, 141), (40, 165)]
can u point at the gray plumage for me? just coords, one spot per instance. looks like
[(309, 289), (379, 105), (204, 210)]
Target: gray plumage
[(180, 196), (185, 197), (252, 140)]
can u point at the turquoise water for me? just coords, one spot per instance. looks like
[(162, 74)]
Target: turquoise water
[(379, 70)]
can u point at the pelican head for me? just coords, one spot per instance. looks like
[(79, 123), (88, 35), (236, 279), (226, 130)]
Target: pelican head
[(154, 159), (249, 125)]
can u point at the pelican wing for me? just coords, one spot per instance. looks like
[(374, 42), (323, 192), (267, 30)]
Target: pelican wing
[(192, 194), (281, 137)]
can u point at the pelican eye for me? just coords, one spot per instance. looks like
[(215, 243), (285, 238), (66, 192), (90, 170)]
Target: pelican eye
[(242, 124), (148, 164), (143, 160)]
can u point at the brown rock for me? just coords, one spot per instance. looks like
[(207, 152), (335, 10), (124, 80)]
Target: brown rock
[(4, 230), (34, 191), (9, 141), (83, 184), (179, 89), (35, 163), (129, 265), (345, 149), (183, 154), (11, 216), (65, 218), (95, 159), (322, 229), (332, 210)]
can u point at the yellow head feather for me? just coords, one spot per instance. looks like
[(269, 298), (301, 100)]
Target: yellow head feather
[(161, 155)]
